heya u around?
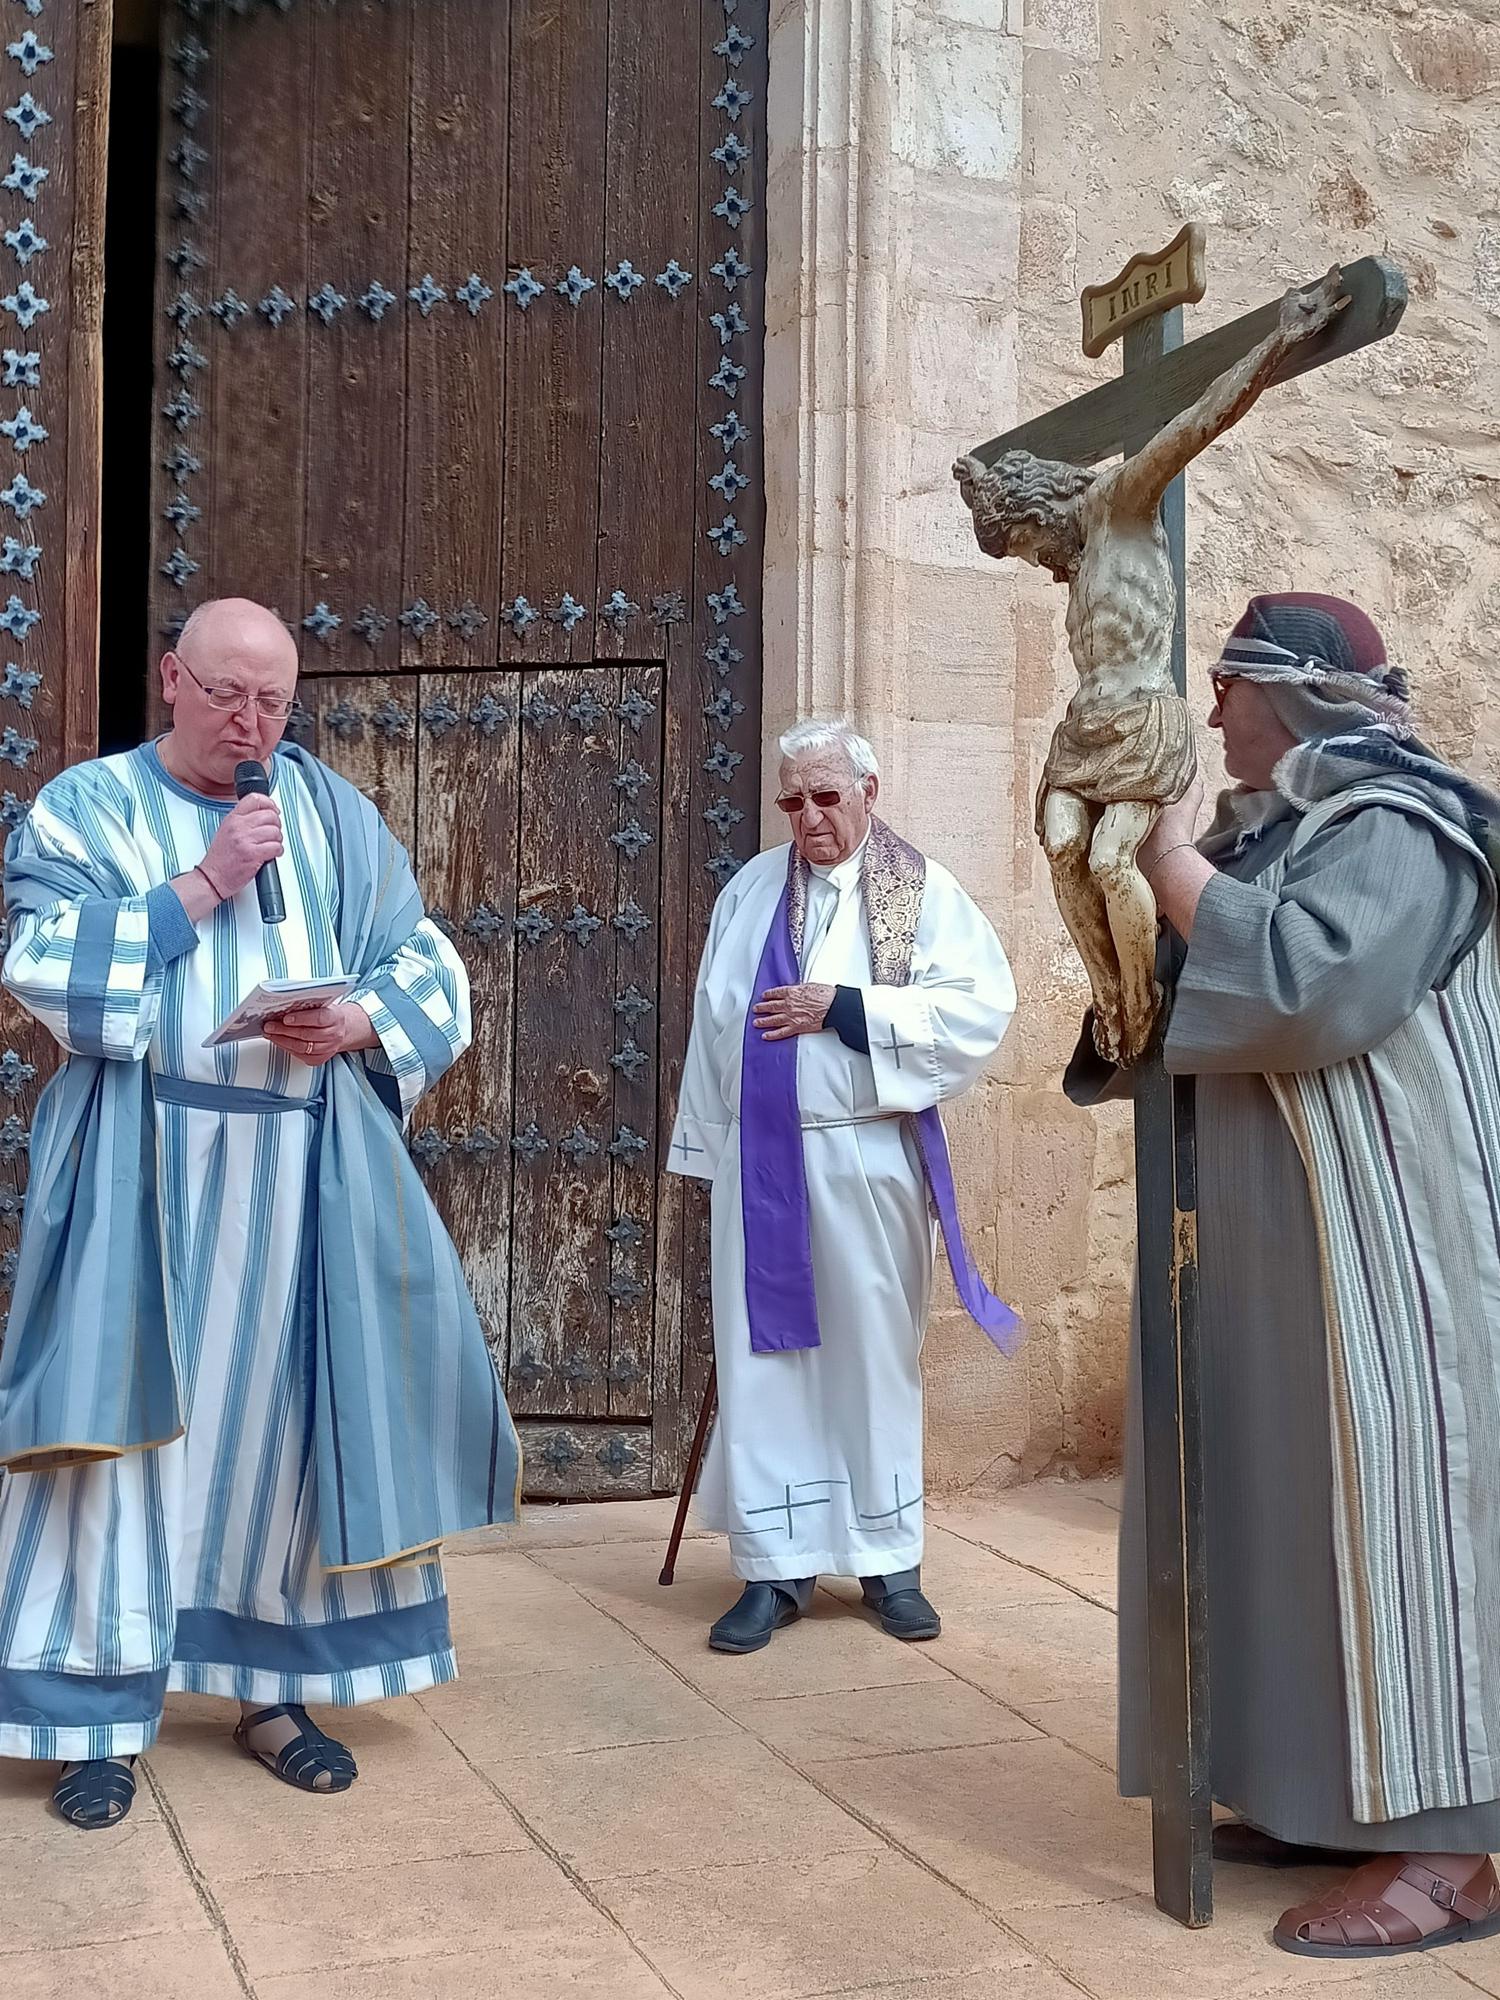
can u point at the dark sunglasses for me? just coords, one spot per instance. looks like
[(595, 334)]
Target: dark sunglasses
[(798, 802)]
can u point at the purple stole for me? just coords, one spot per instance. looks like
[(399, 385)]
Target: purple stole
[(779, 1294)]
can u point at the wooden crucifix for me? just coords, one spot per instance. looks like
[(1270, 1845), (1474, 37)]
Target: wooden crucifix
[(1122, 751)]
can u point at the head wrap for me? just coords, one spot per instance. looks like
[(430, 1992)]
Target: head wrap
[(1322, 664), (1302, 639)]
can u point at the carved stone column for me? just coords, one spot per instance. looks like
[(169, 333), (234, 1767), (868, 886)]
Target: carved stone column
[(894, 224), (894, 218)]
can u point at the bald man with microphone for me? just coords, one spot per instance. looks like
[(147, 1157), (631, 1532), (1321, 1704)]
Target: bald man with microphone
[(238, 1410)]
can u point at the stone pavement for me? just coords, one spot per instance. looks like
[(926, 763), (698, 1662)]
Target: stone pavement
[(602, 1807)]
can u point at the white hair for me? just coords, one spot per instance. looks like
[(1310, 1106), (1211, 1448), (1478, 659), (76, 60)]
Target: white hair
[(812, 734)]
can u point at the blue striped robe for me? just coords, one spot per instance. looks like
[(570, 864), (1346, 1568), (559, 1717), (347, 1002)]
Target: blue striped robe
[(224, 1518)]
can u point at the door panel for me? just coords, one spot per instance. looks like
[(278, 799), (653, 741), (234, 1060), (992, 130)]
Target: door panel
[(465, 857), (54, 72), (493, 502)]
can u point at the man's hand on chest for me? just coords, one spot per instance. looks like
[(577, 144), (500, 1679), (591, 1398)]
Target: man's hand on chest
[(783, 1011)]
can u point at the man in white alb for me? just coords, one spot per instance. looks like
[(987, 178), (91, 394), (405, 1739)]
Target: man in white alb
[(849, 986)]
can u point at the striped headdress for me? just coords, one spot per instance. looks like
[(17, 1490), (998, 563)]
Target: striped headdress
[(1302, 638), (1323, 665)]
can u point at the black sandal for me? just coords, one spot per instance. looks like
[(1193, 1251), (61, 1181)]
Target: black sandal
[(310, 1755), (99, 1793)]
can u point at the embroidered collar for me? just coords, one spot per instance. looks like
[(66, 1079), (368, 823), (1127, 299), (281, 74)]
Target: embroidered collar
[(893, 875)]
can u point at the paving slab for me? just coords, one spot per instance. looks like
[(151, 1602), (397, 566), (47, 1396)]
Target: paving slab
[(557, 1632), (1065, 1532), (415, 1797), (1030, 1981), (1031, 1653), (940, 1714), (568, 1524), (497, 1720), (746, 1931), (680, 1805), (1087, 1722), (1014, 1825), (591, 1963), (62, 1887), (517, 1910), (177, 1965)]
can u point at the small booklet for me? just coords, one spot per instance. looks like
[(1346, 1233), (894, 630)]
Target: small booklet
[(272, 997)]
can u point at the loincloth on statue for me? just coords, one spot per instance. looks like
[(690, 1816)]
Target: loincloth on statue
[(1142, 753)]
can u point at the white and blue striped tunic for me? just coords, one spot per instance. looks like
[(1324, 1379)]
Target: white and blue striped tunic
[(195, 1565)]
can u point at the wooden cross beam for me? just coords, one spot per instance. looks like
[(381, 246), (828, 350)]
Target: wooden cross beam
[(1161, 378), (1106, 421)]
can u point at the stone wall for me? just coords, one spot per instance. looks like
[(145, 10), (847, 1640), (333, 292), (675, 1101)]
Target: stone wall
[(945, 175)]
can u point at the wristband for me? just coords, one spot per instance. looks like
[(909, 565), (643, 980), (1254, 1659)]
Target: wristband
[(199, 869), (1178, 849)]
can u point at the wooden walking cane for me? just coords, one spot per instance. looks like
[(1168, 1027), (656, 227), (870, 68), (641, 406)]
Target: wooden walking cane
[(690, 1477)]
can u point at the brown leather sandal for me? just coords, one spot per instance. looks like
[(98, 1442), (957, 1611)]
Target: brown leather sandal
[(1357, 1922)]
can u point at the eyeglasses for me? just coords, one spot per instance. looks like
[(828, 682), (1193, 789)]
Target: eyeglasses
[(1220, 684), (275, 707), (797, 802)]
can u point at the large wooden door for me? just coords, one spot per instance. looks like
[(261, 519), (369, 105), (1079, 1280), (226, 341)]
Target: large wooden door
[(54, 100), (459, 370)]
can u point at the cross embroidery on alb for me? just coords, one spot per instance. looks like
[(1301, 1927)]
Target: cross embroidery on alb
[(893, 1517), (682, 1146), (786, 1507), (897, 1046)]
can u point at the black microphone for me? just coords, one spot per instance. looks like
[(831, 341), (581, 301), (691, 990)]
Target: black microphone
[(251, 777)]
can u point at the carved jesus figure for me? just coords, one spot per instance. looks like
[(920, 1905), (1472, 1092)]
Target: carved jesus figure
[(1124, 748)]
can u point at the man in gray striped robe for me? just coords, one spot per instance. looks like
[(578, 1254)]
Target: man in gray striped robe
[(1339, 1000)]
